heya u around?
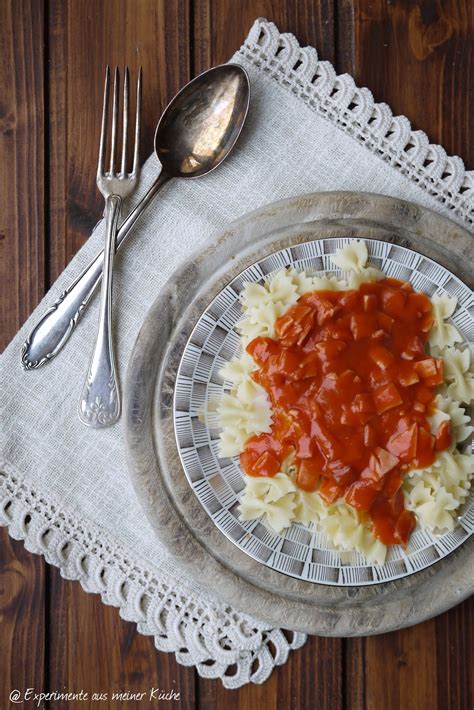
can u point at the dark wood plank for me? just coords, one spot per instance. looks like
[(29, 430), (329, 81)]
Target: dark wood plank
[(92, 648), (21, 163), (22, 612), (353, 665), (149, 33), (417, 58), (310, 679), (400, 668), (454, 653), (21, 286), (220, 26)]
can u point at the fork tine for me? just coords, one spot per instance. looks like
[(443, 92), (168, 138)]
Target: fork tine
[(103, 130), (114, 120), (137, 124), (125, 124)]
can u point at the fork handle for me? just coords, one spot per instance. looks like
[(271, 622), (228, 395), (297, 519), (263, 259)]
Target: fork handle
[(55, 327), (99, 405)]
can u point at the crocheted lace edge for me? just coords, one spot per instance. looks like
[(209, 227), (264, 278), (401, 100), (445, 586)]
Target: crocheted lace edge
[(221, 642), (354, 111)]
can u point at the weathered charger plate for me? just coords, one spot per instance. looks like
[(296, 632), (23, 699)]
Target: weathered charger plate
[(180, 522)]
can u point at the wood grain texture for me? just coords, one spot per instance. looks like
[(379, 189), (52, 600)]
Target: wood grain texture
[(91, 648), (220, 26), (418, 57), (414, 54), (148, 33), (22, 166), (22, 613), (22, 247)]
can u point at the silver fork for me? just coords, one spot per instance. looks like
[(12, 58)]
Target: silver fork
[(99, 405)]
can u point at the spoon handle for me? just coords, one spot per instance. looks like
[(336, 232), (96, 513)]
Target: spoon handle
[(55, 327)]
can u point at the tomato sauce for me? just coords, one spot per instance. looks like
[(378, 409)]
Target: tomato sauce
[(351, 388)]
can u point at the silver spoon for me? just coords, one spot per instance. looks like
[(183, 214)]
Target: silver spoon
[(196, 132)]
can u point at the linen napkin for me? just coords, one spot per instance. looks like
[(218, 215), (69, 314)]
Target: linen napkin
[(64, 488)]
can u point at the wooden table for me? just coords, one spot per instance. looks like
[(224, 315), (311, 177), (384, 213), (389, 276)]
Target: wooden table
[(416, 56)]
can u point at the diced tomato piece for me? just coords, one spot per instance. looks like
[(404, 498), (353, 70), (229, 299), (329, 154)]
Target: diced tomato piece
[(294, 325), (443, 437), (330, 491), (288, 361), (328, 350), (392, 483), (420, 303), (385, 321), (383, 527), (426, 368), (341, 472), (255, 447), (382, 357), (370, 437), (308, 366), (414, 348), (424, 452), (348, 300), (369, 476), (382, 461), (407, 376), (370, 302), (424, 394), (346, 378), (438, 376), (261, 349), (325, 311), (384, 513), (386, 397), (305, 331), (306, 447), (361, 495), (378, 335), (404, 527), (393, 302), (308, 474), (377, 378), (266, 465), (323, 308), (327, 443), (348, 417), (404, 444), (363, 402), (363, 325)]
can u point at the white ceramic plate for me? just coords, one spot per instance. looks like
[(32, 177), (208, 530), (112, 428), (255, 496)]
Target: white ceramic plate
[(301, 552)]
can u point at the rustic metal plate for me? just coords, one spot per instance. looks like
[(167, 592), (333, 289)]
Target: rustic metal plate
[(181, 523), (300, 551)]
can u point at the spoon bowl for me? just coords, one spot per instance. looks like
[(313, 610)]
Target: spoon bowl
[(200, 126), (196, 132)]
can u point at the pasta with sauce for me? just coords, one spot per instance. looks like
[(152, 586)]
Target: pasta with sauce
[(431, 493)]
